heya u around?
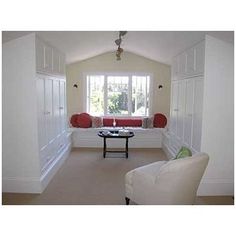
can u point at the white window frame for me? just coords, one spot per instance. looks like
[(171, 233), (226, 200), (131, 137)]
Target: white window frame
[(129, 74)]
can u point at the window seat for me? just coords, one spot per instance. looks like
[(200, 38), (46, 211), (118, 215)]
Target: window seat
[(144, 138)]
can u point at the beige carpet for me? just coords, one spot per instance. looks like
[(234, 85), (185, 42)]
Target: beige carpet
[(86, 178)]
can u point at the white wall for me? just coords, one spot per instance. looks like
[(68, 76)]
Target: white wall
[(19, 115), (218, 118), (129, 63)]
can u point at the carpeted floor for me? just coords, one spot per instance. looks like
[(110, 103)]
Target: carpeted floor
[(88, 179)]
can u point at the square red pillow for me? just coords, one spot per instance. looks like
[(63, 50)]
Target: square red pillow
[(96, 121)]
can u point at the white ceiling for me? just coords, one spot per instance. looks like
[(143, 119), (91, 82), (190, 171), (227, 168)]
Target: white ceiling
[(156, 45)]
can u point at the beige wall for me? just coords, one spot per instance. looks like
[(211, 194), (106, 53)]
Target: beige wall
[(129, 63)]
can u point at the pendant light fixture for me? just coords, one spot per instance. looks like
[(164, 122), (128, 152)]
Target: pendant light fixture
[(118, 43)]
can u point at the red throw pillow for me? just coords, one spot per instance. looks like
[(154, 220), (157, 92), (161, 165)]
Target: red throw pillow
[(107, 121), (159, 121), (129, 122), (73, 120), (84, 120)]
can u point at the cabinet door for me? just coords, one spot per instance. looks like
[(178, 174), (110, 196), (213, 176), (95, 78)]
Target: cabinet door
[(47, 58), (175, 68), (62, 106), (200, 58), (41, 113), (39, 55), (182, 64), (56, 107), (188, 114), (190, 66), (49, 109), (180, 109), (56, 61), (197, 113), (174, 107), (62, 64)]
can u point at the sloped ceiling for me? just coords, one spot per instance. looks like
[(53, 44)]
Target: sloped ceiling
[(156, 45)]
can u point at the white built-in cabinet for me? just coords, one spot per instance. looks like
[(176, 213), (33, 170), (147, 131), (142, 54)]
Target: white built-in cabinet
[(36, 140), (201, 111), (186, 112), (51, 118), (189, 63), (49, 59), (51, 107), (186, 100)]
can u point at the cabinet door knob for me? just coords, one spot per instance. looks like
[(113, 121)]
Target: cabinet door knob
[(61, 108), (47, 112), (176, 109)]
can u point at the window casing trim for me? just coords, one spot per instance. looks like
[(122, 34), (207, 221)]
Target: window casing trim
[(106, 74)]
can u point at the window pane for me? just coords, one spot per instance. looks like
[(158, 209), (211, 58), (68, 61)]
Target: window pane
[(140, 92), (96, 93), (117, 95)]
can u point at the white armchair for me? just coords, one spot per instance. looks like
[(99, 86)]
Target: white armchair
[(173, 182)]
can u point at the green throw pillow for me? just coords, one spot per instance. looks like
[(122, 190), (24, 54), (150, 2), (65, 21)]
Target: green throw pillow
[(183, 152)]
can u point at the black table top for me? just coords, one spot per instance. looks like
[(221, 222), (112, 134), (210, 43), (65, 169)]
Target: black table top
[(114, 134)]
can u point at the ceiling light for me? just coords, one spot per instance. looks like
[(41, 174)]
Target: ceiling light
[(118, 43)]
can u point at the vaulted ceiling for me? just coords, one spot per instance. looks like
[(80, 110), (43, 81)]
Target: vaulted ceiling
[(156, 45)]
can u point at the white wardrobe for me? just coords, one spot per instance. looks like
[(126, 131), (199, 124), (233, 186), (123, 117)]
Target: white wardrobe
[(35, 137), (186, 101), (201, 114)]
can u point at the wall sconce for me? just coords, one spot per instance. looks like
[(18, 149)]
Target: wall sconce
[(160, 87), (75, 86)]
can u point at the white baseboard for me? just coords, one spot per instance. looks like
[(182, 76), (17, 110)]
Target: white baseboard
[(54, 167), (21, 185), (35, 185), (216, 187)]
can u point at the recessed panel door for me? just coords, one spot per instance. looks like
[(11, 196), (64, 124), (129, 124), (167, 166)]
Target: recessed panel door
[(56, 107), (190, 61), (48, 58), (49, 109), (200, 58), (182, 64), (62, 107), (56, 61), (188, 114), (180, 109), (41, 113), (39, 55), (197, 114), (62, 64), (175, 68), (174, 107)]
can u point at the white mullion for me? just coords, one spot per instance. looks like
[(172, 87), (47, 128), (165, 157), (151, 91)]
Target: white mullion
[(146, 78), (105, 95), (88, 93), (130, 95), (150, 94)]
